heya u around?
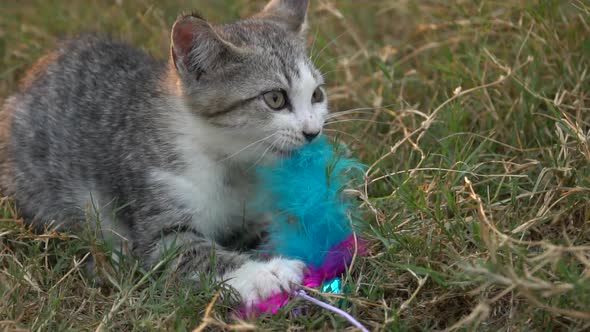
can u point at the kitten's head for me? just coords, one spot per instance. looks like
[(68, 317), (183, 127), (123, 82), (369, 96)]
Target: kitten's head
[(251, 80)]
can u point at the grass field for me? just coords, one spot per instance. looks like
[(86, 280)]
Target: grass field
[(474, 117)]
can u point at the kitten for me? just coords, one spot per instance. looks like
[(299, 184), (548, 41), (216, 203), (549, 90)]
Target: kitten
[(166, 150)]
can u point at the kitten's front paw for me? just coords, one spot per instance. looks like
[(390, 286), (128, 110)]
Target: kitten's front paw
[(256, 281)]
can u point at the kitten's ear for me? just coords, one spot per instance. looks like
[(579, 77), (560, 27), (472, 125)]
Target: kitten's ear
[(290, 13), (197, 48)]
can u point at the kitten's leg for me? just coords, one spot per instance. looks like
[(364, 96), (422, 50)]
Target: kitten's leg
[(243, 241), (254, 279), (249, 236)]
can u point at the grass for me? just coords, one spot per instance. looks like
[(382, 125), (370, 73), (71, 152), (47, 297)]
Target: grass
[(474, 118)]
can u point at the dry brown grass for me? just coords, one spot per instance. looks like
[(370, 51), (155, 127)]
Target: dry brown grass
[(474, 120)]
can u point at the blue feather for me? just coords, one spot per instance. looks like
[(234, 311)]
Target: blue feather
[(304, 194)]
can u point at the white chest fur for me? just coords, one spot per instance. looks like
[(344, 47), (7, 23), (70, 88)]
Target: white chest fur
[(216, 205), (215, 195)]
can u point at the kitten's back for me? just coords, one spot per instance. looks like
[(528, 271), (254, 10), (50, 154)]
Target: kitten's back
[(78, 111)]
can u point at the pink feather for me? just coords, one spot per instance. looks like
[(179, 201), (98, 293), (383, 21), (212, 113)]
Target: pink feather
[(335, 263)]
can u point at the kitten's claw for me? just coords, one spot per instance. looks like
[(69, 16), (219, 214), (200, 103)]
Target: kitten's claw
[(256, 281)]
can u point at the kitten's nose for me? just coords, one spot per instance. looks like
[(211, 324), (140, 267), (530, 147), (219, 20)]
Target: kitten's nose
[(309, 136)]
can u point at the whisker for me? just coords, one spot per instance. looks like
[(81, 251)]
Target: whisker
[(247, 146), (315, 38), (283, 144), (331, 61), (360, 120), (342, 133), (314, 57), (367, 110), (336, 59), (262, 156)]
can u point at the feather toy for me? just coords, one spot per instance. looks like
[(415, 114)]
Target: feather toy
[(311, 215)]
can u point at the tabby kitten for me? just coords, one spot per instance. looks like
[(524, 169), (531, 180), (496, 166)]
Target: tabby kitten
[(166, 150)]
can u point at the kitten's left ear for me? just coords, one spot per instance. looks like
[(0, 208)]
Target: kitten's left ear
[(292, 14)]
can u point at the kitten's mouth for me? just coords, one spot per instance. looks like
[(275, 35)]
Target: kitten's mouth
[(283, 153)]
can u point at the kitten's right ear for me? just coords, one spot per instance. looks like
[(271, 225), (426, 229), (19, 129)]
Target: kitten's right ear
[(292, 14), (196, 47)]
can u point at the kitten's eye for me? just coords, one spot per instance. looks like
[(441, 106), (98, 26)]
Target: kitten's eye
[(318, 96), (276, 100)]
